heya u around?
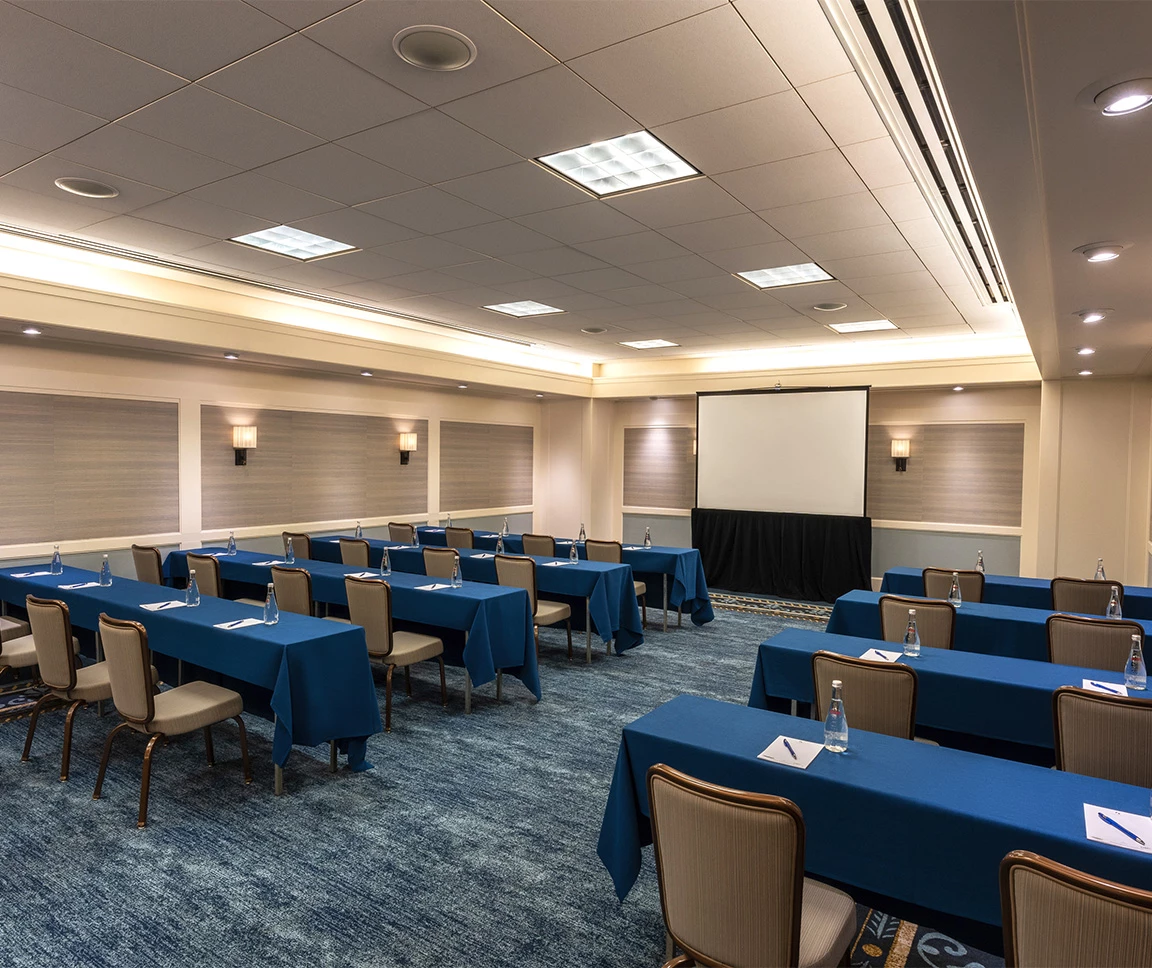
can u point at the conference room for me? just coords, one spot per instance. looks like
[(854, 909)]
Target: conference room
[(601, 482)]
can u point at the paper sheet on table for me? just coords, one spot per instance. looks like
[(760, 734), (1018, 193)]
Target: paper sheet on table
[(163, 606), (777, 752), (361, 574), (1096, 829), (30, 574), (1104, 686), (82, 584), (242, 623), (431, 588), (482, 556), (556, 564), (882, 655), (267, 563), (633, 548), (434, 530)]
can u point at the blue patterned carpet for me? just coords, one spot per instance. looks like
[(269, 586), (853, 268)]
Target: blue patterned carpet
[(472, 842)]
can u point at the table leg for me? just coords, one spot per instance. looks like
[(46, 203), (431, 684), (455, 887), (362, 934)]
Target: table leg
[(99, 658), (332, 756), (679, 616), (467, 683), (499, 684), (588, 630), (794, 708), (665, 578)]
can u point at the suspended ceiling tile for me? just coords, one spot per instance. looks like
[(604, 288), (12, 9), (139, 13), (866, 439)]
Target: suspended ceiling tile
[(335, 172), (723, 233), (826, 215), (629, 249), (519, 189), (489, 272), (581, 223), (767, 255), (688, 201), (36, 122), (842, 106), (429, 252), (13, 156), (256, 195), (849, 243), (355, 227), (679, 269), (822, 175), (193, 215), (137, 233), (878, 163), (369, 264), (299, 14), (39, 176), (556, 261), (429, 210), (500, 238), (799, 38)]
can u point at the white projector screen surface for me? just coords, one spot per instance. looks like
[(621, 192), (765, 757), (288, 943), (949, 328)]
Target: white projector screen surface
[(794, 451)]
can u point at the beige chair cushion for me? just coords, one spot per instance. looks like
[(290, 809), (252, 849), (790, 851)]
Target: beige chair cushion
[(827, 925), (549, 613), (21, 653), (258, 602), (336, 618), (93, 684), (410, 647), (641, 588), (191, 706), (12, 628)]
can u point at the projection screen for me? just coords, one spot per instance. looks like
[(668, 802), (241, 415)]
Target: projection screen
[(800, 451)]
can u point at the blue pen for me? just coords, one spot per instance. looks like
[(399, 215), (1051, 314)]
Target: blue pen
[(1123, 830), (1115, 692), (881, 654), (788, 747)]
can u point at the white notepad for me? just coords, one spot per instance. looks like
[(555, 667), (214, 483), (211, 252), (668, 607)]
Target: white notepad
[(267, 563), (1104, 833), (555, 564), (82, 584), (361, 574), (434, 530), (633, 548), (30, 574), (1104, 686), (482, 556), (777, 752), (241, 623), (431, 588), (163, 606), (881, 655)]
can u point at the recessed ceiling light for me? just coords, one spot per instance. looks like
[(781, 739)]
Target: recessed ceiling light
[(1085, 351), (797, 275), (231, 356), (620, 164), (285, 240), (830, 307), (1125, 98), (868, 326), (594, 330), (648, 344), (1085, 372), (525, 307), (957, 389), (434, 48), (1101, 251), (86, 187), (365, 372), (461, 386), (1093, 315), (539, 396), (31, 331)]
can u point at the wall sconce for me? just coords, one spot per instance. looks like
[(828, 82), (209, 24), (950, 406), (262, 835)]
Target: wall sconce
[(407, 445), (900, 451), (243, 439)]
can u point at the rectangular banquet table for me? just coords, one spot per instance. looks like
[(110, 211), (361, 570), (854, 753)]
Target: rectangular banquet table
[(1013, 590), (496, 621), (317, 671), (655, 565), (919, 823), (965, 692), (1006, 630)]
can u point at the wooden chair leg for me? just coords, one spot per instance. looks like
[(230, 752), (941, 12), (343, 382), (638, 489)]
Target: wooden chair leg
[(36, 710), (66, 756), (388, 700), (536, 633), (332, 761), (443, 684), (408, 680), (644, 611), (209, 749), (569, 624), (146, 780), (104, 760), (244, 750)]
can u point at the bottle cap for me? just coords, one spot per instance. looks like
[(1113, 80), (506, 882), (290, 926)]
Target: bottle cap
[(911, 611), (836, 683)]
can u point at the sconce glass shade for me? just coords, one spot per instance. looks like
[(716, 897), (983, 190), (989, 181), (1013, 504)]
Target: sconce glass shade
[(244, 438), (408, 442), (901, 448)]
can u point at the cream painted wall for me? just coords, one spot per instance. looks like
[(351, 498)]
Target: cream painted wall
[(566, 458)]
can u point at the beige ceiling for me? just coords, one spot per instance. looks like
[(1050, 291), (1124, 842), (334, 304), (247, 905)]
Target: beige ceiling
[(1054, 173), (216, 118)]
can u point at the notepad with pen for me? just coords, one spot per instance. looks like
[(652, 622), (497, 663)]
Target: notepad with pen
[(787, 751)]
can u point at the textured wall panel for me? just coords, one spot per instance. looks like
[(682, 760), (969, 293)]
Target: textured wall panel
[(659, 469), (86, 467), (484, 465)]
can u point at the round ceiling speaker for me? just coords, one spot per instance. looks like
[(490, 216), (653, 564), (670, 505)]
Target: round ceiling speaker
[(86, 187), (830, 307), (434, 48), (594, 330)]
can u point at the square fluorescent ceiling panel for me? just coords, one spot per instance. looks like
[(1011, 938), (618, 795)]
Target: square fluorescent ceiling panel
[(649, 344), (285, 240), (868, 326), (526, 307), (620, 164), (797, 275)]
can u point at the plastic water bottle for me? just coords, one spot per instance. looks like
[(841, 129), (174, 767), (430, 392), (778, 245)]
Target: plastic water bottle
[(359, 530), (504, 528), (385, 565), (1100, 576), (105, 572), (449, 524), (289, 554), (573, 554), (980, 562), (500, 544), (231, 542), (836, 723), (582, 536), (457, 581), (912, 636), (57, 566), (271, 609), (1114, 604), (1135, 674), (192, 594), (954, 591), (647, 537)]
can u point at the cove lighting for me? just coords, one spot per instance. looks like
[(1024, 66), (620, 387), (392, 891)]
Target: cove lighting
[(621, 164), (1085, 372), (365, 372), (868, 326), (231, 356), (648, 344), (524, 308), (1125, 98), (797, 275), (957, 389), (294, 243), (31, 331)]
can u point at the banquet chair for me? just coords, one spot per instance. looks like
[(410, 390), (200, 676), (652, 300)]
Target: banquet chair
[(1102, 736), (208, 580), (1089, 596), (148, 565), (1094, 643), (66, 679), (1057, 915), (938, 582), (460, 538), (355, 552), (301, 544), (402, 533), (12, 628), (738, 897), (370, 606), (174, 712), (881, 695), (293, 589), (935, 621), (439, 562), (520, 572), (539, 545), (612, 552)]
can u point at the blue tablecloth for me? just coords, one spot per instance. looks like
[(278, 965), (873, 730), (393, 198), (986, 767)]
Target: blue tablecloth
[(980, 627), (919, 823), (498, 620), (982, 695), (1012, 590), (318, 671)]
